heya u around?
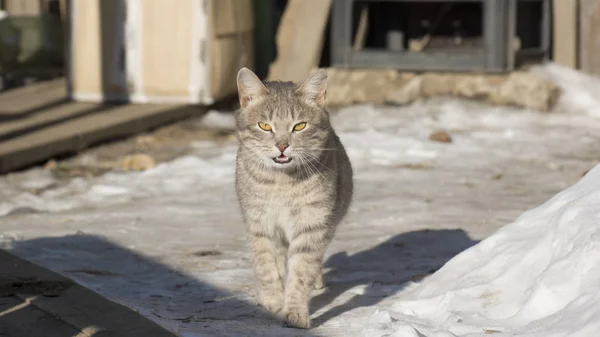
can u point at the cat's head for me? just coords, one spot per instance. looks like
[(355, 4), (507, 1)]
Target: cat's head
[(284, 125)]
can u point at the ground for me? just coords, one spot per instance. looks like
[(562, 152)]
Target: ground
[(169, 243)]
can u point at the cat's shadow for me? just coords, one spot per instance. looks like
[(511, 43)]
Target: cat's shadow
[(384, 269)]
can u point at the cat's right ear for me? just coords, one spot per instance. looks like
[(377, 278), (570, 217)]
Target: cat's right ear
[(250, 88)]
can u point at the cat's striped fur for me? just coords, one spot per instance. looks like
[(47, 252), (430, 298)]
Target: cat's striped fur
[(290, 209)]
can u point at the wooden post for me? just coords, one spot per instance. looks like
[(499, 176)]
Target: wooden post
[(589, 47), (565, 32)]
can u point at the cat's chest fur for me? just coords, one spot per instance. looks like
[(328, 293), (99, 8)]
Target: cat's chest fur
[(280, 212), (286, 200), (281, 205)]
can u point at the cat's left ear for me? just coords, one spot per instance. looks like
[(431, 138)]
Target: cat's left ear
[(314, 89)]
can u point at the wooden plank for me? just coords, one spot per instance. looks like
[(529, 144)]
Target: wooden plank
[(74, 135), (32, 89), (46, 117), (76, 305), (20, 318), (565, 30), (35, 106), (589, 47), (300, 39), (17, 102)]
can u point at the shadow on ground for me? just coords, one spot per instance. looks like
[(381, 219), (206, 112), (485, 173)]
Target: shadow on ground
[(167, 296), (385, 268), (194, 308)]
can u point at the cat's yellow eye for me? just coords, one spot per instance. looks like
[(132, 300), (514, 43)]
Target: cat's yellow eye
[(265, 126), (299, 126)]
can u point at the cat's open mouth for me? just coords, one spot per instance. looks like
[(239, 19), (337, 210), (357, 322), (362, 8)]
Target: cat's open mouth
[(282, 159)]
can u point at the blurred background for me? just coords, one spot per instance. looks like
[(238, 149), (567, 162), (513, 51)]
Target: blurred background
[(65, 61)]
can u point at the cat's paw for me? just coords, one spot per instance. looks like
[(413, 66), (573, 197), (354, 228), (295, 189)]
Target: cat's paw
[(296, 318), (271, 302)]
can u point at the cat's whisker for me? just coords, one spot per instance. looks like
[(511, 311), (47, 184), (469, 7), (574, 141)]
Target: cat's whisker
[(310, 166), (313, 169), (316, 159), (318, 148), (304, 167)]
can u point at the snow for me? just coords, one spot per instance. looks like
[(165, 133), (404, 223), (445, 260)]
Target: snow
[(581, 93), (538, 276), (217, 120), (468, 238)]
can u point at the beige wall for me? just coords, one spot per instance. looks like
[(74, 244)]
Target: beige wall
[(176, 51), (167, 47)]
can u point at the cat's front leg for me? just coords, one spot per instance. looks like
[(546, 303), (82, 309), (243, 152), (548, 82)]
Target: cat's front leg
[(267, 269), (320, 281), (305, 259)]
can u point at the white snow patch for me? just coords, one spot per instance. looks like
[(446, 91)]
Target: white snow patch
[(581, 93), (538, 276), (218, 120), (113, 188)]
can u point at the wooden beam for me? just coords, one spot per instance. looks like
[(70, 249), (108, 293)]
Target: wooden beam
[(565, 31), (300, 39), (105, 123), (589, 47), (38, 123), (18, 102)]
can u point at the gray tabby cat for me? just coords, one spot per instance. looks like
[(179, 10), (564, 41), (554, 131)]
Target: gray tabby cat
[(294, 185)]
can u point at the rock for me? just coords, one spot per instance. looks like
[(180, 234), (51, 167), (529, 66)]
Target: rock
[(378, 86), (415, 166), (518, 89), (137, 162), (51, 165), (440, 136), (207, 253), (349, 86), (145, 140)]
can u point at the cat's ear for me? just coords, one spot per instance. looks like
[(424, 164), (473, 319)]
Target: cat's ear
[(250, 88), (314, 89)]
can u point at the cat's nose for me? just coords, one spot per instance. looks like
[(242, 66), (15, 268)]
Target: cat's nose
[(281, 147)]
